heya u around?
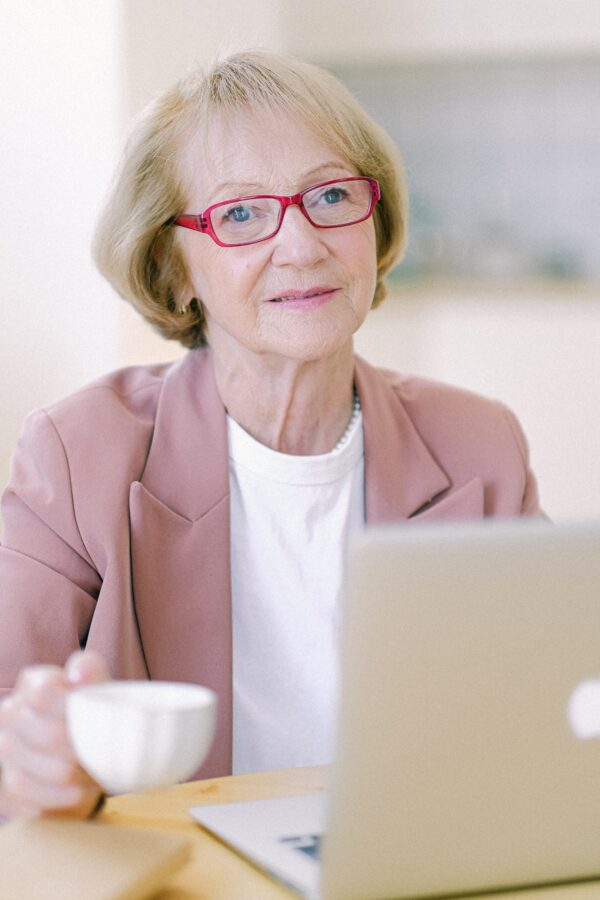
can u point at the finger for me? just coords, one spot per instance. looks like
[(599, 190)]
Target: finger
[(39, 731), (86, 667), (60, 769), (24, 793), (27, 796), (10, 807), (31, 676), (22, 725), (43, 688), (7, 709), (4, 741)]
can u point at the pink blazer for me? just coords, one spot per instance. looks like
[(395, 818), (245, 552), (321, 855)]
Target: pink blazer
[(117, 513)]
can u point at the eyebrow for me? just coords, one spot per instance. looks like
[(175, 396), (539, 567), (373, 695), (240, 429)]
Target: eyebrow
[(241, 188)]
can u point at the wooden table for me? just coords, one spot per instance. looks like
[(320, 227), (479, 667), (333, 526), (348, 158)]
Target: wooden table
[(214, 872), (217, 873)]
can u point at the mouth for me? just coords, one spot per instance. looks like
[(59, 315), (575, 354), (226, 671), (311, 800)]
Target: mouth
[(310, 294)]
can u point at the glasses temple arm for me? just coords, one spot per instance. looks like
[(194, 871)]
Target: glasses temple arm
[(196, 223)]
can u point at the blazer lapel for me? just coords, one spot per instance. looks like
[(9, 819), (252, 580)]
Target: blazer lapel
[(179, 515), (401, 475), (402, 478), (464, 503)]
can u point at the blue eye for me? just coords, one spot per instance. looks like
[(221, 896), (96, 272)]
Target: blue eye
[(334, 195), (238, 214)]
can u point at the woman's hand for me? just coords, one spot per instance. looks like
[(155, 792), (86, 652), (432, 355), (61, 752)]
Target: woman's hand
[(39, 774)]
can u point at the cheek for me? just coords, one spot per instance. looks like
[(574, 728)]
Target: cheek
[(362, 252), (226, 282), (204, 265), (364, 272), (365, 243), (372, 244)]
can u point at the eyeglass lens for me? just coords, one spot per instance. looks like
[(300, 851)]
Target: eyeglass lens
[(255, 218)]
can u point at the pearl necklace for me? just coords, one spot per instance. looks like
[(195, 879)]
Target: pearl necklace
[(355, 414)]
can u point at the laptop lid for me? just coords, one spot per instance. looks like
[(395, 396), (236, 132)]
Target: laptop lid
[(468, 753)]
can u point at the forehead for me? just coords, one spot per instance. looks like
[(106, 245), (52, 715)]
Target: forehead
[(266, 151)]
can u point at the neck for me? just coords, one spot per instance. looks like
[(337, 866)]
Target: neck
[(293, 406)]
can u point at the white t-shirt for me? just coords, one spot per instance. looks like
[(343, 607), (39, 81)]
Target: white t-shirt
[(290, 521)]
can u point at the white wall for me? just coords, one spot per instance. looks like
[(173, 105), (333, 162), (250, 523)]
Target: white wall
[(352, 31), (162, 39), (58, 81)]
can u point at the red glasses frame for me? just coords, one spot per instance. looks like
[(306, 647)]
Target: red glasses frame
[(202, 221)]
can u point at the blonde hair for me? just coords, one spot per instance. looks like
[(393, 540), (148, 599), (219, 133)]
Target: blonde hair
[(135, 245)]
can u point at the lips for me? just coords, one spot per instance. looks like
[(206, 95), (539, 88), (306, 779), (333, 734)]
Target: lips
[(317, 291)]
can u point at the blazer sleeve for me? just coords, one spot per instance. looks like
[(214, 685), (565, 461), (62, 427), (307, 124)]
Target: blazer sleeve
[(48, 582), (530, 502)]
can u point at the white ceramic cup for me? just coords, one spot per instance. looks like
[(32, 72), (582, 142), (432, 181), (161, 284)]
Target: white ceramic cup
[(134, 735)]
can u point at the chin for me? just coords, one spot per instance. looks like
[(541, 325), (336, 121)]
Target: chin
[(322, 339), (313, 350)]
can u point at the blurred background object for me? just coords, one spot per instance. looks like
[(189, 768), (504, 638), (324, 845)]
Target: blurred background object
[(496, 109), (502, 159)]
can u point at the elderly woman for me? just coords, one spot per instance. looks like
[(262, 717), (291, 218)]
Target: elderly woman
[(189, 522)]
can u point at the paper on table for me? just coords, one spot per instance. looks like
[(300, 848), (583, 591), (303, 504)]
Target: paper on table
[(55, 859)]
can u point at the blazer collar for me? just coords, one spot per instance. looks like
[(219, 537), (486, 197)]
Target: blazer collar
[(186, 469), (401, 475)]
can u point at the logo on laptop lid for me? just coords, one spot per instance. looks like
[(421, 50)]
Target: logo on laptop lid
[(583, 711)]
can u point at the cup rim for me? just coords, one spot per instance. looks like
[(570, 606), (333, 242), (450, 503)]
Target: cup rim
[(199, 695)]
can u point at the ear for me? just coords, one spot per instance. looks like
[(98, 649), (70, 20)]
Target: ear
[(172, 271)]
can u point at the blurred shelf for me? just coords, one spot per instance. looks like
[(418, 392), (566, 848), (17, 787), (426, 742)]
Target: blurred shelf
[(426, 288), (385, 32)]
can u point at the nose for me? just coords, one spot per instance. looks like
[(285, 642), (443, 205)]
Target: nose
[(298, 242)]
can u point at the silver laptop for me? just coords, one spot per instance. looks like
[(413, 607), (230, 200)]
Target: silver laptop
[(468, 745)]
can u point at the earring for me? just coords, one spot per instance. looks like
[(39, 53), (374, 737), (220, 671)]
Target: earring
[(192, 307)]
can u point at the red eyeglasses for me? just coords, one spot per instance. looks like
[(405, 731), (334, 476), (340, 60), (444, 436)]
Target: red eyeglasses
[(248, 220)]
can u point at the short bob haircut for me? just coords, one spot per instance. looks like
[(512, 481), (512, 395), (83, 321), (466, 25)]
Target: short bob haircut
[(136, 245)]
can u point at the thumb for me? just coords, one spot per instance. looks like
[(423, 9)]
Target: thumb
[(86, 667)]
